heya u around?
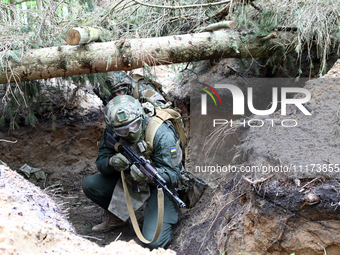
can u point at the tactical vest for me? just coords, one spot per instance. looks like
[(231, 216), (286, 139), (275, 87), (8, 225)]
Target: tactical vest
[(190, 187)]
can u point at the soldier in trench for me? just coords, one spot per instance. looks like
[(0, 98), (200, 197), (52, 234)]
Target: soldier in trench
[(126, 119), (119, 83)]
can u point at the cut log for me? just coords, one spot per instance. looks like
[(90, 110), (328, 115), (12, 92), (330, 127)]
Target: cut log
[(81, 35)]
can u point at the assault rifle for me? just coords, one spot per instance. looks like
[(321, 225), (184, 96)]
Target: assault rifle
[(104, 99), (142, 164)]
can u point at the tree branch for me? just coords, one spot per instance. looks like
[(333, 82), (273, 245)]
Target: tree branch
[(20, 2), (270, 36), (255, 6), (219, 15), (108, 13), (7, 141), (220, 25), (181, 7), (82, 35)]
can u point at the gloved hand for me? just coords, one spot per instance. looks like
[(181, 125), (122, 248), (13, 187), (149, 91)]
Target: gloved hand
[(119, 162), (137, 175)]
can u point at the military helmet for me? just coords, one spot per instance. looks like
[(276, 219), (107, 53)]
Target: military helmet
[(119, 81), (124, 115)]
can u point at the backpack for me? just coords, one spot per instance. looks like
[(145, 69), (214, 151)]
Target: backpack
[(150, 87), (190, 187), (157, 120)]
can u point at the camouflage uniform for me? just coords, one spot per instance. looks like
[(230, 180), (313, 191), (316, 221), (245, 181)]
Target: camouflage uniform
[(100, 187), (141, 90)]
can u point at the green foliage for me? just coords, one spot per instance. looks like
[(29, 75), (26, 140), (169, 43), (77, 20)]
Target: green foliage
[(220, 252), (264, 24), (98, 79), (281, 63), (30, 119), (27, 26), (147, 72), (2, 121), (29, 102), (54, 118), (261, 25), (89, 5), (315, 24), (336, 129), (13, 55)]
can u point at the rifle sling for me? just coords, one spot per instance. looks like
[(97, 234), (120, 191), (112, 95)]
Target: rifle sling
[(116, 146), (160, 200)]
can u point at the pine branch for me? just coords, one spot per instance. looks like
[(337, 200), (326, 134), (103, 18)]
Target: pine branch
[(22, 1), (219, 15), (110, 11), (182, 6), (255, 6)]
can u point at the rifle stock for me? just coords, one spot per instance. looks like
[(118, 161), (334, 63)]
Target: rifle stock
[(142, 164)]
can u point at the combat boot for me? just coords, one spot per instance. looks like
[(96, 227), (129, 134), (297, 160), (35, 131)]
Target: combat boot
[(111, 222)]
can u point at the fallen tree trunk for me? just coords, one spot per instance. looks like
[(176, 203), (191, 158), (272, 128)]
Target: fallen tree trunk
[(130, 54)]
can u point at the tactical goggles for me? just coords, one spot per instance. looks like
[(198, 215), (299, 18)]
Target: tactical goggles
[(132, 127), (124, 89)]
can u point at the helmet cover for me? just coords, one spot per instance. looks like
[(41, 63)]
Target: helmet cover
[(119, 80), (124, 115)]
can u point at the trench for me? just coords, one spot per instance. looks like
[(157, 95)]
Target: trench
[(67, 155)]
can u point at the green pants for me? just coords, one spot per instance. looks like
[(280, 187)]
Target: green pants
[(99, 189)]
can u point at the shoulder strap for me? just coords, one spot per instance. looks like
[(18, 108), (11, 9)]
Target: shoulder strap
[(176, 119), (135, 92), (151, 130), (167, 113), (156, 121), (160, 201)]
